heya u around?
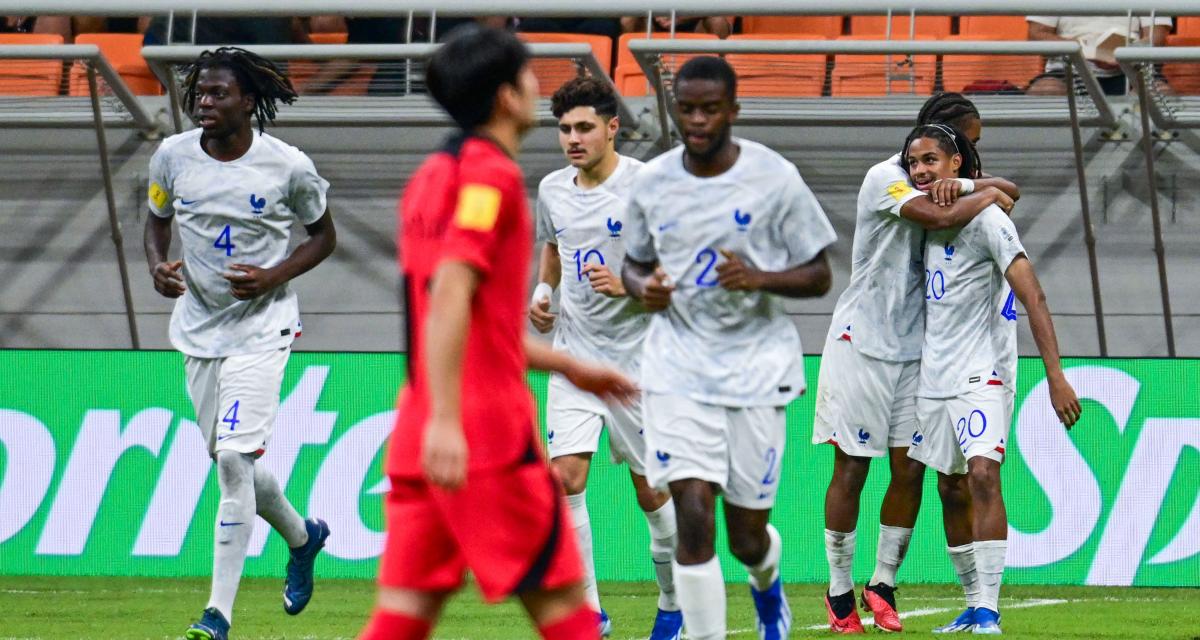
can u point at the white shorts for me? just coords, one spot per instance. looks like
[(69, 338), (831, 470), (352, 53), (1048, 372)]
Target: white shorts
[(574, 419), (954, 430), (864, 405), (236, 398), (738, 448)]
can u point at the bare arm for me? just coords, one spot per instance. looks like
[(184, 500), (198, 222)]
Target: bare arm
[(925, 212), (1009, 187), (646, 283), (1039, 31), (598, 380), (808, 280), (1028, 290), (251, 281), (1156, 34), (157, 242)]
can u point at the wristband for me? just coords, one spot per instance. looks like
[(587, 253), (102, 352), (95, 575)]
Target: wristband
[(542, 290), (965, 186)]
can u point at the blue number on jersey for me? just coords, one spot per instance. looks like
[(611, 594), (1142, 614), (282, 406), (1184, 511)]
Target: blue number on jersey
[(702, 280), (772, 457), (582, 259), (935, 284), (231, 416), (1009, 312), (226, 237)]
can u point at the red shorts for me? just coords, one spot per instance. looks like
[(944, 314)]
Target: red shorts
[(510, 527)]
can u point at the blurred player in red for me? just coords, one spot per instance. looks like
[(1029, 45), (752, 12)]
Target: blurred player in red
[(470, 485)]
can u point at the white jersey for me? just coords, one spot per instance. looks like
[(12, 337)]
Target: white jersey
[(237, 212), (970, 311), (729, 348), (588, 227), (883, 309)]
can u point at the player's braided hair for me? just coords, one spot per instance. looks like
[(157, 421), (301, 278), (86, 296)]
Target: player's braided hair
[(255, 74), (955, 110), (950, 140)]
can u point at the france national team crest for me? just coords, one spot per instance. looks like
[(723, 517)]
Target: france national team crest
[(614, 228), (257, 204), (663, 457), (863, 436), (949, 252), (742, 220)]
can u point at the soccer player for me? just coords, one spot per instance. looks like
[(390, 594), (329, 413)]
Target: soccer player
[(236, 194), (470, 486), (718, 230), (866, 391), (969, 363), (579, 220)]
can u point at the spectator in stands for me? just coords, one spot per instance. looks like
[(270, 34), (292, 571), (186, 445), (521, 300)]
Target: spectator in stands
[(228, 31), (1098, 35), (721, 26), (610, 27), (68, 27)]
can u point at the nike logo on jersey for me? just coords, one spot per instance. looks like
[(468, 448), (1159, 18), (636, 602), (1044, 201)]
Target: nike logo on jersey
[(187, 202), (558, 232), (664, 227), (230, 524), (257, 204)]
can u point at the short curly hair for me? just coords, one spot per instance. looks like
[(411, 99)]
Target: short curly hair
[(585, 91)]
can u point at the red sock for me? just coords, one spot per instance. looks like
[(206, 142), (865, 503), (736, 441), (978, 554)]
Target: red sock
[(584, 624), (387, 625)]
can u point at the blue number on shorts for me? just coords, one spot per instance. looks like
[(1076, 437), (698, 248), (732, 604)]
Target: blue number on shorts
[(584, 258), (772, 458), (1009, 312), (971, 424), (711, 256), (961, 429), (935, 284), (226, 237), (231, 416)]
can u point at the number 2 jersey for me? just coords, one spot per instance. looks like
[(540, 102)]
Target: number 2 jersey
[(588, 226), (728, 348), (236, 212), (970, 311)]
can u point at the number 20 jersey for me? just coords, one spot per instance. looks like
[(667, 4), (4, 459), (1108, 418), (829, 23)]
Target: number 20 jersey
[(236, 212), (588, 225), (712, 345)]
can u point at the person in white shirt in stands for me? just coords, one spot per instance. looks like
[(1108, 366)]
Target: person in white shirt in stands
[(718, 229), (236, 194), (580, 209), (975, 274), (1092, 31)]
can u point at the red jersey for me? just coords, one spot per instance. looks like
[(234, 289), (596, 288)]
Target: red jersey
[(467, 204)]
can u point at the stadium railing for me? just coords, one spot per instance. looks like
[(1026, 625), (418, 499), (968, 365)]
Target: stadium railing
[(109, 102)]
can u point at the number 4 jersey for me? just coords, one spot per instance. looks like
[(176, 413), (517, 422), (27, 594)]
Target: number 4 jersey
[(970, 311), (237, 212), (588, 226)]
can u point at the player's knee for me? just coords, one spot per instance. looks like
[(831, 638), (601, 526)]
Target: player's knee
[(232, 464), (850, 472), (572, 472), (984, 480), (749, 547), (908, 475), (649, 499), (953, 491)]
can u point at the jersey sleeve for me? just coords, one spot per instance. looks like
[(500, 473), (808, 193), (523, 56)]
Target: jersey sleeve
[(639, 245), (161, 196), (482, 209), (802, 226), (1002, 241), (307, 191), (888, 188), (544, 225)]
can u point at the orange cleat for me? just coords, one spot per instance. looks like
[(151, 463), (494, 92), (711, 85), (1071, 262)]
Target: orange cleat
[(880, 599), (849, 624)]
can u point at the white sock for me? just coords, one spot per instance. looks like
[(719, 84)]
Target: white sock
[(701, 591), (274, 507), (583, 533), (963, 559), (839, 550), (764, 574), (662, 549), (989, 561), (893, 544), (235, 522)]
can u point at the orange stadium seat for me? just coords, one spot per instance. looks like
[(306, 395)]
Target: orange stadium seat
[(1184, 77), (124, 53), (868, 75), (828, 26), (553, 73), (1188, 26), (30, 77), (981, 73), (771, 75), (628, 74), (993, 28), (876, 26), (329, 37)]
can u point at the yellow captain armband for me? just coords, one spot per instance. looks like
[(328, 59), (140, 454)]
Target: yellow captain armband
[(899, 189), (158, 195), (478, 207)]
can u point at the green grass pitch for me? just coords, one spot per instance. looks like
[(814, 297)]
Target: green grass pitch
[(63, 608)]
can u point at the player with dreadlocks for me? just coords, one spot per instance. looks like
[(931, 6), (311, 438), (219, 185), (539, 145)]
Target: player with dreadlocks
[(866, 392), (236, 194)]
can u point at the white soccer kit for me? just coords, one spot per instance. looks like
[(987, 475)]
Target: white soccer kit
[(866, 389), (730, 353), (236, 212), (969, 361), (588, 226)]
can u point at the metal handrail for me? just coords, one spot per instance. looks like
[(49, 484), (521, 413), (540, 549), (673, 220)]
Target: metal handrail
[(1132, 59)]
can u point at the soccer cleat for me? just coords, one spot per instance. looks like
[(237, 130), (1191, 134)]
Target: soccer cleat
[(771, 609), (212, 626), (880, 600), (605, 624), (987, 622), (964, 623), (668, 625), (850, 623), (298, 588)]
